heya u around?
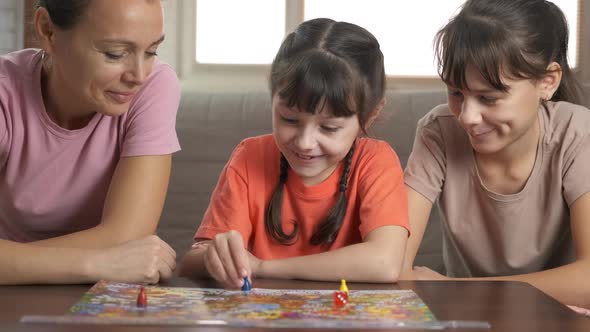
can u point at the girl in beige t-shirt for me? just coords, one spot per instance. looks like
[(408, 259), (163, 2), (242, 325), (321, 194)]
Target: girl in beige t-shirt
[(508, 156)]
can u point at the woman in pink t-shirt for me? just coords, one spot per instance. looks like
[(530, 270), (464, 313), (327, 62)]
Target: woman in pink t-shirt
[(507, 157), (87, 128)]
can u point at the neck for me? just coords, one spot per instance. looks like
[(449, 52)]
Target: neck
[(58, 104)]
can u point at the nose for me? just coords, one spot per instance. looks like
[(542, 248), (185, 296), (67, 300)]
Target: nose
[(470, 113), (305, 139), (137, 71)]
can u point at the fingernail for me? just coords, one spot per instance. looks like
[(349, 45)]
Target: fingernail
[(244, 273)]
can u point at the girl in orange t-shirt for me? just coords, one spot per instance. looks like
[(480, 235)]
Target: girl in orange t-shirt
[(313, 200)]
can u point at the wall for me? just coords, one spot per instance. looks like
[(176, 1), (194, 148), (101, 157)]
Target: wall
[(165, 53), (11, 26)]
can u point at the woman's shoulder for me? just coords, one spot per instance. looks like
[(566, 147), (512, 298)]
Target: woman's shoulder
[(566, 121), (163, 70), (163, 76), (160, 93), (19, 63), (438, 114)]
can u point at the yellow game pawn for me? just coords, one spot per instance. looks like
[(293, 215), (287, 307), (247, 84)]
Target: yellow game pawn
[(343, 287)]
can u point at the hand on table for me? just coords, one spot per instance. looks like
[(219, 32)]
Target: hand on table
[(228, 262), (424, 273), (146, 260)]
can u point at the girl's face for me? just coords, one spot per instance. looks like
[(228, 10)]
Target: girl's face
[(496, 121), (101, 62), (313, 144)]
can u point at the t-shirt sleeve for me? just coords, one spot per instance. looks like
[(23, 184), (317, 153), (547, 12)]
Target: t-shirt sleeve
[(425, 171), (228, 207), (384, 201), (576, 179), (150, 128)]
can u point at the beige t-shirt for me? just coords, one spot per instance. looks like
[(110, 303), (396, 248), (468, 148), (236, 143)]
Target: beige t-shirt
[(489, 234)]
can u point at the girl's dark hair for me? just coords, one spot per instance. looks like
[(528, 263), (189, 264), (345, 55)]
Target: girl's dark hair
[(515, 38), (324, 62), (64, 13)]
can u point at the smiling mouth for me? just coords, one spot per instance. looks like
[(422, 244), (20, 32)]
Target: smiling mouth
[(480, 134), (304, 156), (121, 97)]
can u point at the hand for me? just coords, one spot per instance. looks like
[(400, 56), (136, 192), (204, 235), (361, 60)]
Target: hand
[(146, 260), (424, 273), (581, 311), (227, 261), (255, 265)]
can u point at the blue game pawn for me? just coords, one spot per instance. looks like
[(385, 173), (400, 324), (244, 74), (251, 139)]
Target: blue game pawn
[(246, 286)]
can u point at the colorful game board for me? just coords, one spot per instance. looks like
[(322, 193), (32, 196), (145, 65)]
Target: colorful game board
[(115, 303)]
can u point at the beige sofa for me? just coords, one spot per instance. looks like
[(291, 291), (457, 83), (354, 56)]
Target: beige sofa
[(210, 125)]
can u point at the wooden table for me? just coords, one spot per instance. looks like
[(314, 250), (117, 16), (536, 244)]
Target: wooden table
[(507, 306)]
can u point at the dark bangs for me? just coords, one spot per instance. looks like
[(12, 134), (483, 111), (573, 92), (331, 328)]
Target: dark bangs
[(316, 78), (482, 43)]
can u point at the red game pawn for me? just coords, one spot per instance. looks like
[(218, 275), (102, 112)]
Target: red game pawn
[(142, 298), (340, 298)]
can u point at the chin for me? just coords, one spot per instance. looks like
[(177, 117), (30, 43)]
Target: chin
[(487, 148), (117, 110)]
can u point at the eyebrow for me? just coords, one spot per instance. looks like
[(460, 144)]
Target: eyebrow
[(130, 43), (326, 116), (484, 90)]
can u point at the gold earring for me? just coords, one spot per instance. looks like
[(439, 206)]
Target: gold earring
[(47, 61)]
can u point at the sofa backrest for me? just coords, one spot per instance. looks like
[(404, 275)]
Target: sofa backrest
[(210, 125)]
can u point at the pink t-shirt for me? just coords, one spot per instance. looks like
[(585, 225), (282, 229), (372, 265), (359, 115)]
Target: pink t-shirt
[(54, 181)]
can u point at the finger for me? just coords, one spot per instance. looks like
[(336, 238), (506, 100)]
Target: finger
[(169, 262), (226, 258), (168, 249), (240, 257), (152, 275), (214, 265), (164, 270), (167, 258)]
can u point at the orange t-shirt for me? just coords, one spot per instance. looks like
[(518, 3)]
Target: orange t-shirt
[(376, 197)]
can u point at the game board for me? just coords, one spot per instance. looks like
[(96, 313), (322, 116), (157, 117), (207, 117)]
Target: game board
[(115, 303)]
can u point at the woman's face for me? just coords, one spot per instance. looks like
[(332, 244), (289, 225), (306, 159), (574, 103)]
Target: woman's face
[(496, 120), (102, 62)]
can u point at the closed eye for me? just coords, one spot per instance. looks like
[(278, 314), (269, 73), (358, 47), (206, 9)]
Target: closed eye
[(288, 120), (330, 129), (454, 93), (114, 56), (488, 100)]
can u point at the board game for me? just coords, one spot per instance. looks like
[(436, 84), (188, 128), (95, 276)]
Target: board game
[(115, 303)]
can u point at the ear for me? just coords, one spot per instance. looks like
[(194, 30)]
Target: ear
[(45, 30), (375, 113), (550, 82)]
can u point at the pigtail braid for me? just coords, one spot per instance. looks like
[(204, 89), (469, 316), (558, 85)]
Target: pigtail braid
[(272, 220), (328, 230)]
